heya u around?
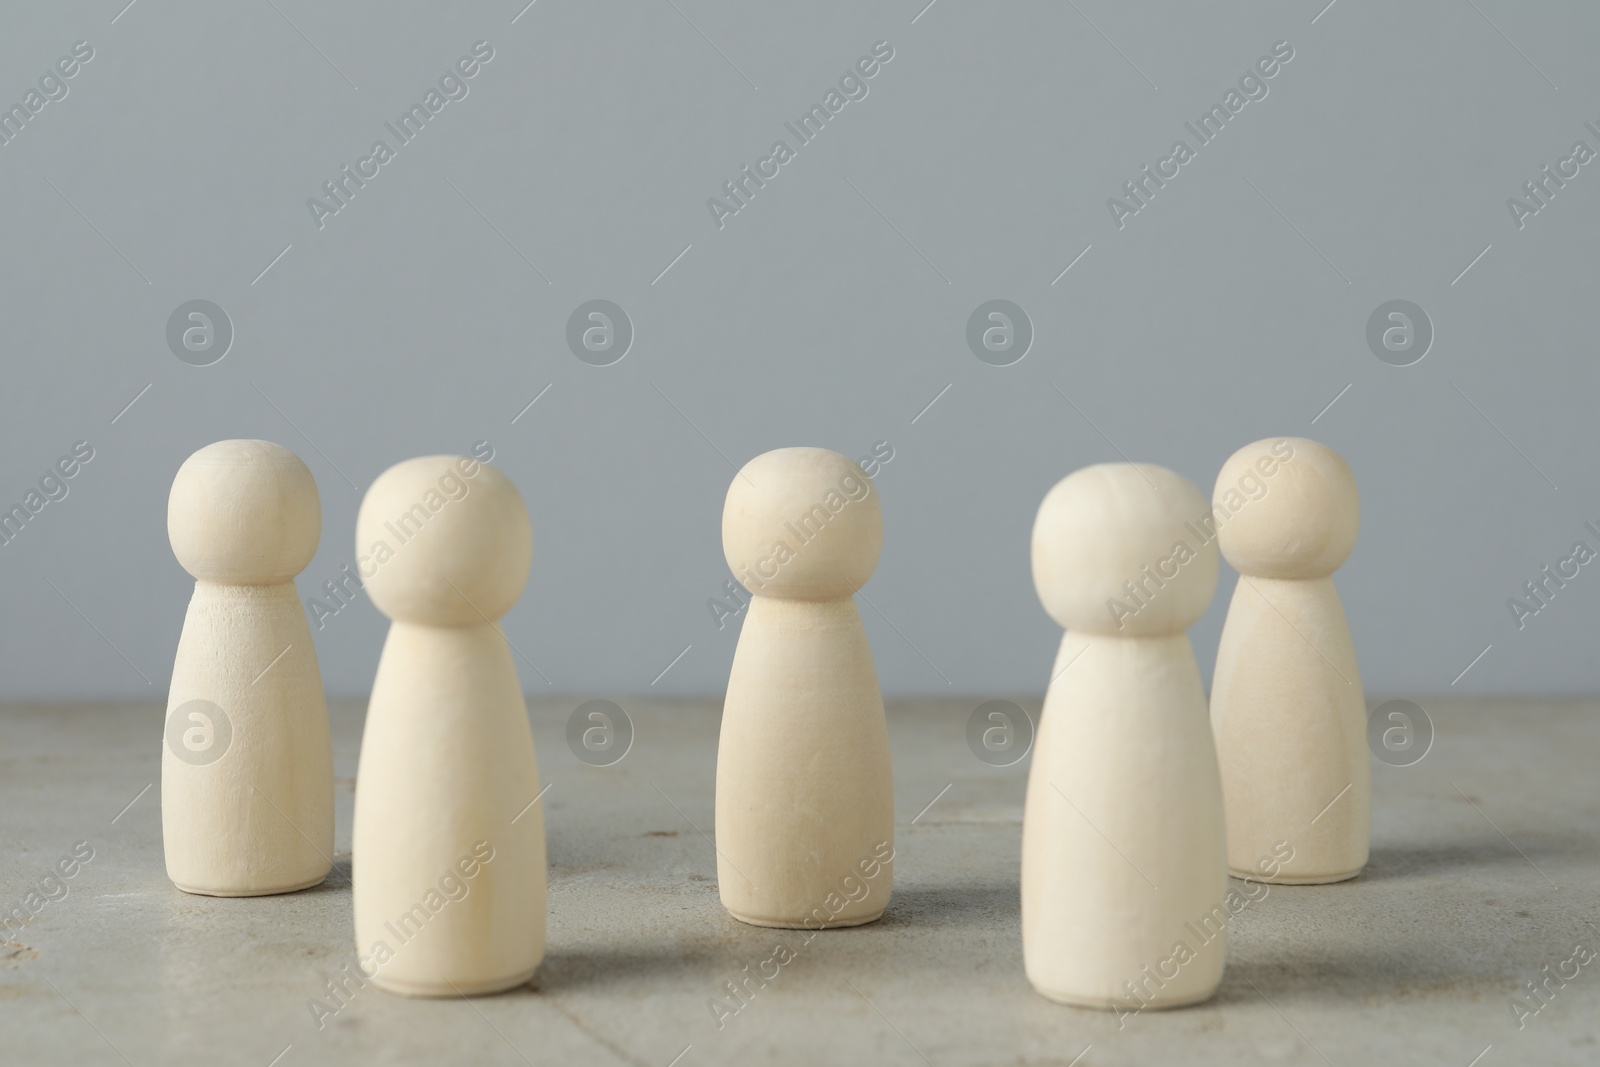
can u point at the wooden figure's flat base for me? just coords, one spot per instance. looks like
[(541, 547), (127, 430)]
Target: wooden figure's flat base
[(210, 891), (1313, 879), (790, 924), (479, 988), (1076, 1001)]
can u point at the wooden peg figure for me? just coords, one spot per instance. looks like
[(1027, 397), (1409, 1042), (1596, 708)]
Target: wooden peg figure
[(1123, 858), (449, 844), (247, 764), (805, 798), (1286, 700)]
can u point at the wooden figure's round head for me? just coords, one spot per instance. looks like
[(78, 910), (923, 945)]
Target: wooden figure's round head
[(802, 524), (443, 541), (1286, 507), (1118, 548), (244, 513)]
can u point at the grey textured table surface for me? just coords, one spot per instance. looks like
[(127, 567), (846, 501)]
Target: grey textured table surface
[(1485, 868)]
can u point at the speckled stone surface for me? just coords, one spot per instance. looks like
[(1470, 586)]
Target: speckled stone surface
[(1485, 868)]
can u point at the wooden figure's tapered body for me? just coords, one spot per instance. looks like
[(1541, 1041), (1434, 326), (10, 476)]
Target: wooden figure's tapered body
[(1124, 882), (447, 762), (1119, 861), (804, 786), (804, 790), (1287, 707), (449, 844), (247, 763)]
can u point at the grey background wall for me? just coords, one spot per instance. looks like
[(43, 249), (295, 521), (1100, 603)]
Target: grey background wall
[(832, 309)]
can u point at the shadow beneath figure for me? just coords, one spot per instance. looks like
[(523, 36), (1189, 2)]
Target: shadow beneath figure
[(995, 906), (1395, 862), (338, 880), (565, 970), (1431, 922), (1419, 970)]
